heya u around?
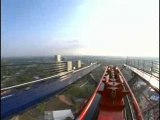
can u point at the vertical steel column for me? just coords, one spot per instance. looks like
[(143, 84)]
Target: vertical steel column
[(152, 68), (143, 64), (126, 60), (138, 64), (129, 62)]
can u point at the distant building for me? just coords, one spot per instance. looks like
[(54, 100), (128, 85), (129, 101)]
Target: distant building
[(69, 65), (36, 77), (58, 58), (17, 73), (79, 65), (58, 115)]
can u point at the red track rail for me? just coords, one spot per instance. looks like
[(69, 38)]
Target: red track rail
[(112, 89)]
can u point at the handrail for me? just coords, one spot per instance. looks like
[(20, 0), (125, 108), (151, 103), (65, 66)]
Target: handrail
[(24, 84), (148, 66), (35, 69), (33, 63), (43, 79)]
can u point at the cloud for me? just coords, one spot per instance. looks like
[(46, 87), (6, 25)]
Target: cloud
[(72, 41), (63, 46)]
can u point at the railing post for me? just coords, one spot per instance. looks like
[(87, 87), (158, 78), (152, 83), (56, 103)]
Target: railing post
[(143, 65), (138, 64), (152, 68), (129, 62), (126, 60)]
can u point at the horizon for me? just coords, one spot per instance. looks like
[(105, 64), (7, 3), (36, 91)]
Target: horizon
[(80, 56)]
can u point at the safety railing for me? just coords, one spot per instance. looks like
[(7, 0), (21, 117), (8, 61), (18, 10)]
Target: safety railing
[(20, 73), (149, 66), (147, 96)]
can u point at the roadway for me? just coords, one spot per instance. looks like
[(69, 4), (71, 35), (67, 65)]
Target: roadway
[(18, 102)]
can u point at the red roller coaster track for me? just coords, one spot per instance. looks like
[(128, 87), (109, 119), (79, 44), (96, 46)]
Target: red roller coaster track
[(108, 100)]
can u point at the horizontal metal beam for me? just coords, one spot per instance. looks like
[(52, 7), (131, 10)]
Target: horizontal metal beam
[(40, 80), (34, 63)]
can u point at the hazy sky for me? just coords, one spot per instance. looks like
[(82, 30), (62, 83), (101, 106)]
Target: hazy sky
[(80, 27)]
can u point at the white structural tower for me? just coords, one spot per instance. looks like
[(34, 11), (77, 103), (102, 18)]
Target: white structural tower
[(79, 64), (58, 58), (69, 65)]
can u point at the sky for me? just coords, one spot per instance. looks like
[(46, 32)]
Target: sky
[(80, 27)]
